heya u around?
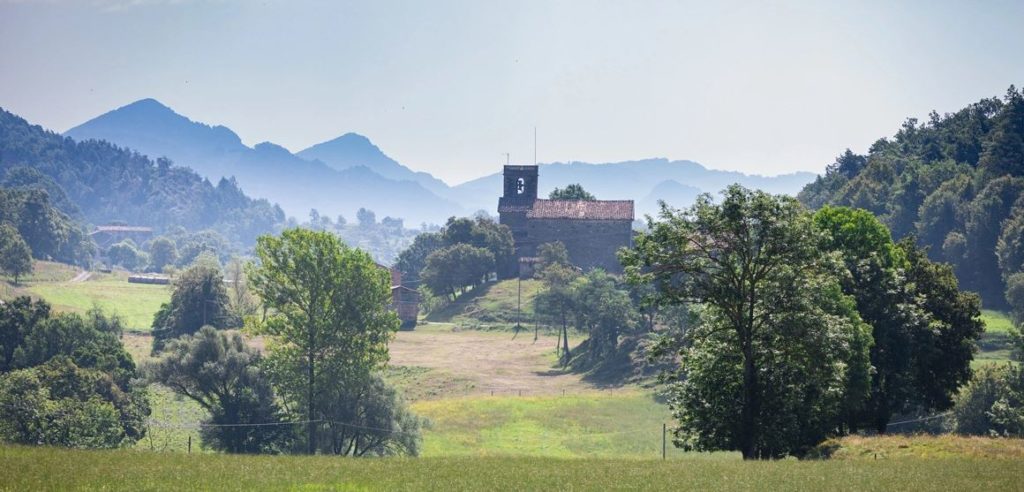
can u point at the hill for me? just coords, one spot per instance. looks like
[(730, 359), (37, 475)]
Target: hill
[(107, 183), (352, 150), (954, 182), (642, 180), (268, 170)]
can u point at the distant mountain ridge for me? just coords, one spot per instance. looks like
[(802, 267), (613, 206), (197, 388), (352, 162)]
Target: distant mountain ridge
[(349, 172), (352, 149), (267, 170), (637, 180)]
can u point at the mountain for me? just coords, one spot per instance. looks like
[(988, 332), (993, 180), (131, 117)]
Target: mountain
[(672, 192), (104, 183), (268, 170), (352, 149), (636, 180)]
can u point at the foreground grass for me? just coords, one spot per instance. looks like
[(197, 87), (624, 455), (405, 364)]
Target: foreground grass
[(924, 446), (625, 423), (24, 468), (134, 303)]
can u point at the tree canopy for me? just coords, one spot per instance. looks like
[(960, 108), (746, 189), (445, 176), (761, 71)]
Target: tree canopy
[(328, 321), (780, 358), (954, 183)]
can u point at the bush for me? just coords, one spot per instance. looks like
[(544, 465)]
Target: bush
[(992, 403)]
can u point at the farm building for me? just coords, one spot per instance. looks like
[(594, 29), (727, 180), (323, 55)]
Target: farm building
[(404, 301), (106, 236), (591, 230)]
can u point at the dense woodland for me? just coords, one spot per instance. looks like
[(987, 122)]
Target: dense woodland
[(102, 183), (955, 183)]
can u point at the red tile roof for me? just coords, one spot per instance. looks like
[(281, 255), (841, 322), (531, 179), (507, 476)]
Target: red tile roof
[(582, 209)]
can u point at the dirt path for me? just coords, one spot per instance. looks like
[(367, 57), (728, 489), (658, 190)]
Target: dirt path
[(81, 277), (484, 362)]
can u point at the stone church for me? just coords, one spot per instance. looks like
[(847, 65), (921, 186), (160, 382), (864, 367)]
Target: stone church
[(591, 230)]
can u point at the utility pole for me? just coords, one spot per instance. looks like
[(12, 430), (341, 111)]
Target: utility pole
[(664, 439)]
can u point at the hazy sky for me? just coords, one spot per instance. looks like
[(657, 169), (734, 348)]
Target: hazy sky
[(449, 86)]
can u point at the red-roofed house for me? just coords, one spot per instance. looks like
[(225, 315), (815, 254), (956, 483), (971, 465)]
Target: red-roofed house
[(592, 230)]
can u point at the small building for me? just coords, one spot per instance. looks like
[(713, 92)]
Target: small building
[(405, 302), (592, 230), (106, 236)]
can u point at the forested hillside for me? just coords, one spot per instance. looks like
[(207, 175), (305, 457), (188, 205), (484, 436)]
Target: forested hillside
[(955, 182), (102, 183)]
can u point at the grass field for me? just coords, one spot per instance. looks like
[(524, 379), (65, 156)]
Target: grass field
[(26, 468), (134, 303), (995, 346), (608, 424)]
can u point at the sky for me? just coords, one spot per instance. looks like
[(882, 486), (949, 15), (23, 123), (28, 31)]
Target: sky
[(449, 87)]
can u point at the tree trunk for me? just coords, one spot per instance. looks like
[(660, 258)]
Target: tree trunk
[(565, 341), (751, 405), (311, 426)]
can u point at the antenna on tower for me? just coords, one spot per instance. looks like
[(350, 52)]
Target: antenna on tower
[(534, 145)]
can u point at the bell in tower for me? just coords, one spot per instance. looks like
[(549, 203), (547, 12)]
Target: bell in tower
[(520, 184)]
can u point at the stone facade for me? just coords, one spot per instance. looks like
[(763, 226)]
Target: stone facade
[(592, 231)]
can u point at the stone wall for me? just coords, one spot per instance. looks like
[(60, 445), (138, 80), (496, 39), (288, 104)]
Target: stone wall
[(590, 243)]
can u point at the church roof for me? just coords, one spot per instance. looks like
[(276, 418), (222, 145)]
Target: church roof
[(582, 209)]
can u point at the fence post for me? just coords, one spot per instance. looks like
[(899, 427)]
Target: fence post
[(664, 439), (190, 444)]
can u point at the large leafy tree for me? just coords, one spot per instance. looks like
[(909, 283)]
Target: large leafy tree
[(452, 269), (780, 357), (199, 299), (923, 327), (328, 319), (224, 376), (15, 255)]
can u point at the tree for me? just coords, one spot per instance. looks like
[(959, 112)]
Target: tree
[(61, 404), (66, 380), (552, 254), (558, 301), (780, 356), (603, 311), (199, 299), (162, 252), (242, 302), (454, 268), (15, 255), (126, 254), (572, 192), (413, 259), (328, 318), (224, 376), (369, 419), (992, 404), (923, 327), (366, 218), (943, 347)]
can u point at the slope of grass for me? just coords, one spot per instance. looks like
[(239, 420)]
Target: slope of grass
[(134, 303), (26, 468), (626, 423), (996, 344), (491, 306)]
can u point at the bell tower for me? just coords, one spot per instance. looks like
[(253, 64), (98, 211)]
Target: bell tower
[(518, 198), (520, 185)]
